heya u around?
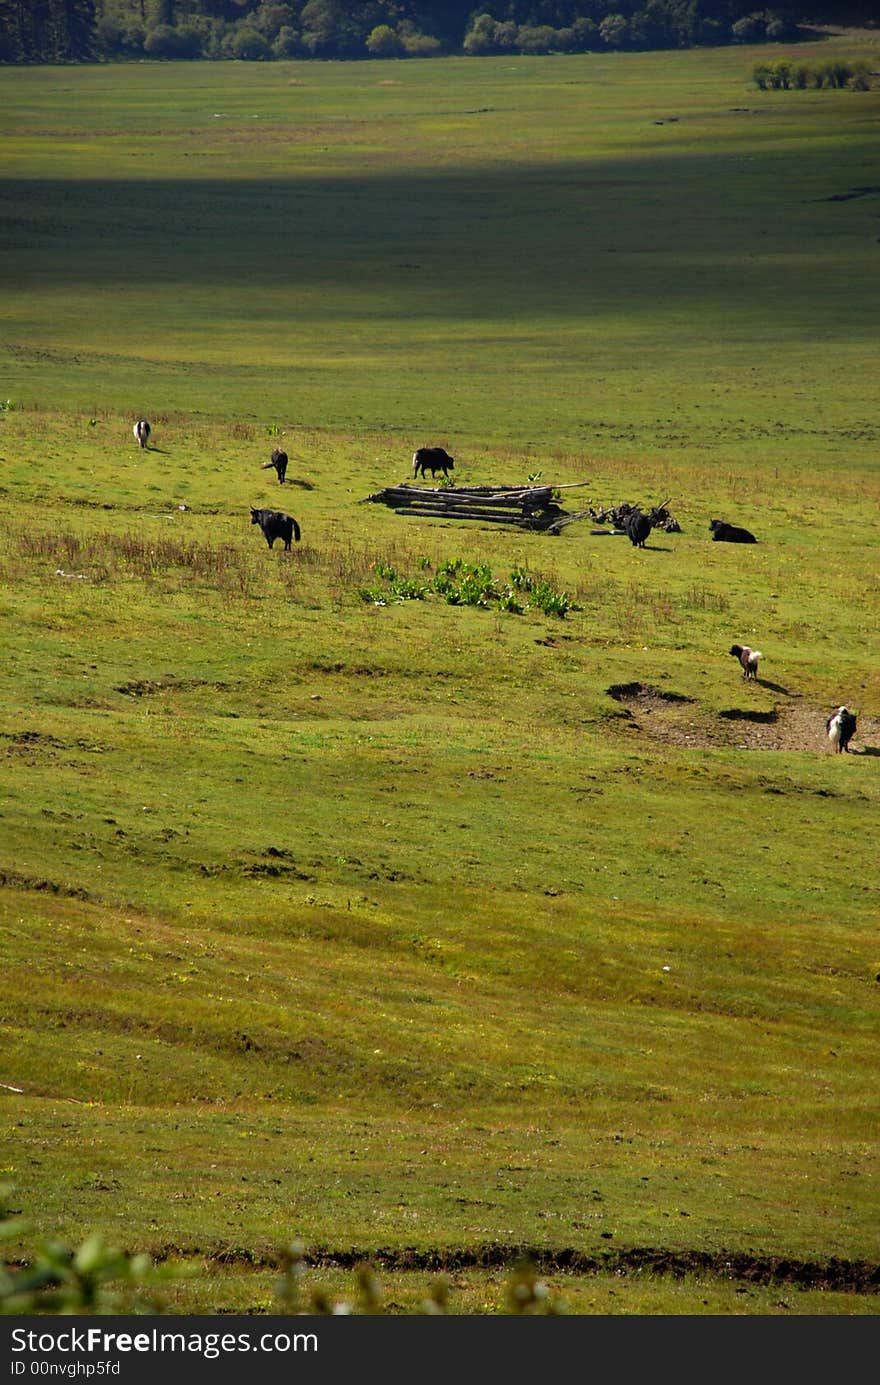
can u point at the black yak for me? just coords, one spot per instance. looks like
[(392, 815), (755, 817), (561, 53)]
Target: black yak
[(276, 525), (730, 533), (637, 527), (278, 460), (432, 459)]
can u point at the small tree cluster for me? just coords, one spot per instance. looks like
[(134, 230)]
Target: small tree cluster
[(489, 35), (402, 41), (794, 76), (254, 32), (763, 26), (627, 25)]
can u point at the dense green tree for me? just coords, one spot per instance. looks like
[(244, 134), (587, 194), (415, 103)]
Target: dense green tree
[(80, 28), (338, 28), (77, 30), (173, 41), (248, 43), (384, 42), (446, 20), (537, 38), (417, 44), (614, 30), (287, 42), (158, 12), (488, 35), (46, 30), (270, 17)]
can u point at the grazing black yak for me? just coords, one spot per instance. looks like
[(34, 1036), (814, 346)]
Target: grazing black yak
[(748, 658), (142, 431), (729, 533), (432, 459), (841, 727), (276, 525)]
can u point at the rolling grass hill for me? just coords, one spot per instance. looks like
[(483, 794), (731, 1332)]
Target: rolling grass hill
[(426, 932)]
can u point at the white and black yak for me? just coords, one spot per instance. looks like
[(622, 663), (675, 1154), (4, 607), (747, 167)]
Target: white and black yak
[(841, 727), (748, 658), (142, 432)]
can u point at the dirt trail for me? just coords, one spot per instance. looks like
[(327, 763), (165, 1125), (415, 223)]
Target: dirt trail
[(833, 1274), (791, 725)]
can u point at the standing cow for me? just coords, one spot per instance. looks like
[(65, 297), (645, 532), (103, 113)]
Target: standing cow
[(432, 459), (142, 431)]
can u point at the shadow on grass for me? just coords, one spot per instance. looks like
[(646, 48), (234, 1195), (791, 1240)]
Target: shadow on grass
[(776, 687)]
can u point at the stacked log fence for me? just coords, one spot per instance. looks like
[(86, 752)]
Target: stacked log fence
[(532, 507)]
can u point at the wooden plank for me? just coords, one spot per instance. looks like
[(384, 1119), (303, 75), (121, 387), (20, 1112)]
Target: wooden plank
[(459, 508), (464, 512), (447, 497), (481, 516)]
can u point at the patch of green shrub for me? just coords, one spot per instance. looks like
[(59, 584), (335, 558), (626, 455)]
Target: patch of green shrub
[(836, 74), (398, 589), (460, 583), (550, 601)]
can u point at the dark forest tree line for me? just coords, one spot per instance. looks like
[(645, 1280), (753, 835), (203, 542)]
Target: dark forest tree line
[(54, 31)]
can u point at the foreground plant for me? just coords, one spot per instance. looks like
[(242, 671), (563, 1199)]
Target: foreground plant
[(90, 1278), (96, 1278)]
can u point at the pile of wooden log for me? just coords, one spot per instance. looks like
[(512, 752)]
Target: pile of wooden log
[(659, 515), (527, 507)]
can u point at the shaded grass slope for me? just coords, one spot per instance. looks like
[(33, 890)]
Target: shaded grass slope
[(568, 251)]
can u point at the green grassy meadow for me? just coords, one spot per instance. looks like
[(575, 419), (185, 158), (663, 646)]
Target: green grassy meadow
[(425, 933)]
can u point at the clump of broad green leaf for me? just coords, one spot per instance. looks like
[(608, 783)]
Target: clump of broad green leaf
[(461, 583)]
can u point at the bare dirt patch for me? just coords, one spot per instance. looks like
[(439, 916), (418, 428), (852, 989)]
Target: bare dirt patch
[(846, 1276), (790, 724)]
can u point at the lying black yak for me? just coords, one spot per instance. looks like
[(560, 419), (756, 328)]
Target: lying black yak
[(730, 533)]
